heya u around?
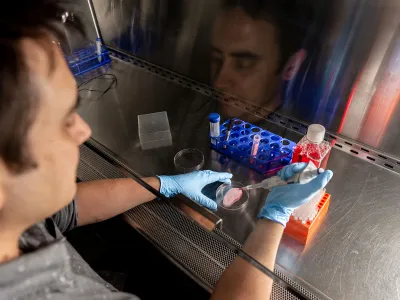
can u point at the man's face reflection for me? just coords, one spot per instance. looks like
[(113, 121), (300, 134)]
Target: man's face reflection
[(245, 59)]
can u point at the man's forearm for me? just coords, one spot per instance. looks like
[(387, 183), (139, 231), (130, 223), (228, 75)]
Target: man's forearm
[(103, 199), (241, 280)]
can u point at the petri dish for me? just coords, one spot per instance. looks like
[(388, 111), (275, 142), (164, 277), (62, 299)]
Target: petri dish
[(224, 188), (188, 160)]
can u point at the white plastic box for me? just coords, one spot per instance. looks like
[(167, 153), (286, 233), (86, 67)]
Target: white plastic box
[(154, 131)]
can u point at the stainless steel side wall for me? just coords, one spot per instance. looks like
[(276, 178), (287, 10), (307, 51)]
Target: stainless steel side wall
[(343, 57), (74, 41)]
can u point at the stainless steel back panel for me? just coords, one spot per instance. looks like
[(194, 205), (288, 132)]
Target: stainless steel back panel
[(339, 142), (344, 70)]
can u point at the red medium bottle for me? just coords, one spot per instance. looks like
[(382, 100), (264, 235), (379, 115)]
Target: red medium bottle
[(312, 147)]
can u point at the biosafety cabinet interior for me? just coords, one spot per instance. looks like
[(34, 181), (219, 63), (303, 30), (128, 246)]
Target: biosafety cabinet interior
[(335, 63)]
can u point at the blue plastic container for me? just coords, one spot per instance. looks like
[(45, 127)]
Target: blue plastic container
[(273, 153), (87, 59)]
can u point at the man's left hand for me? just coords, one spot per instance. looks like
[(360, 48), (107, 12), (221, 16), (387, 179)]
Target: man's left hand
[(191, 184)]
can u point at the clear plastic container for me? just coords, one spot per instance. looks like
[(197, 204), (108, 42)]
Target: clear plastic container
[(188, 160), (256, 144), (312, 147), (154, 131), (239, 204), (214, 119)]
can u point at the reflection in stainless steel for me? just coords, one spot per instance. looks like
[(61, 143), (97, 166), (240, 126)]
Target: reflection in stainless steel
[(341, 56), (160, 31), (81, 9), (356, 241), (342, 143)]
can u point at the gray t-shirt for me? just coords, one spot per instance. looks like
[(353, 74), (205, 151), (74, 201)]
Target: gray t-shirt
[(50, 268)]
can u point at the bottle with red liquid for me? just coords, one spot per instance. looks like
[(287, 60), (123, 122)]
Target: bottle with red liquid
[(312, 147)]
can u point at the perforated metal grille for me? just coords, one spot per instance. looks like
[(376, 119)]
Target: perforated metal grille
[(92, 166), (192, 247), (280, 293), (188, 230), (286, 294), (180, 246)]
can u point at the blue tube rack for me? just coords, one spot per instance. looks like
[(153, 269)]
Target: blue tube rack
[(274, 152), (84, 60)]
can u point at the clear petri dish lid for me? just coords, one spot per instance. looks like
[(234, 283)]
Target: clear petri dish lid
[(231, 197), (188, 160)]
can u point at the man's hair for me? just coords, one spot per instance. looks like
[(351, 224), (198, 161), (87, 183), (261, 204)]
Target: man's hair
[(19, 98), (256, 9), (268, 11)]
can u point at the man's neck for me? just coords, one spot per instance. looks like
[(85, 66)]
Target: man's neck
[(9, 248)]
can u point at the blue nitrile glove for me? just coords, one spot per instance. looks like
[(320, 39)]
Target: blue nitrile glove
[(191, 184), (283, 200)]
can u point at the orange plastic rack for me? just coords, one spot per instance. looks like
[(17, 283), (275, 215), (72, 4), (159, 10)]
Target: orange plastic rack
[(303, 232)]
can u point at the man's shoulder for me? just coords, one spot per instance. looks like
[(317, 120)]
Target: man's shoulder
[(39, 235), (49, 230), (66, 219), (48, 272)]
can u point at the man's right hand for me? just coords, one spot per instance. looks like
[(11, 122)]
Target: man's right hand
[(283, 200)]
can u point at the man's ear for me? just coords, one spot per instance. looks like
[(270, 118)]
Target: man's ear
[(4, 173), (292, 66)]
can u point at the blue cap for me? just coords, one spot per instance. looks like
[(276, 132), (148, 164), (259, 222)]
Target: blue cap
[(214, 118)]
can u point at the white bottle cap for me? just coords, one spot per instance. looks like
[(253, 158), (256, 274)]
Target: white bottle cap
[(315, 133)]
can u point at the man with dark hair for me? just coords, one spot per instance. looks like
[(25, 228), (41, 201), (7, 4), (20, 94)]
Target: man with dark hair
[(247, 53), (39, 151)]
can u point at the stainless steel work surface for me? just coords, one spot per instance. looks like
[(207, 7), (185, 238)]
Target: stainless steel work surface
[(354, 253)]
